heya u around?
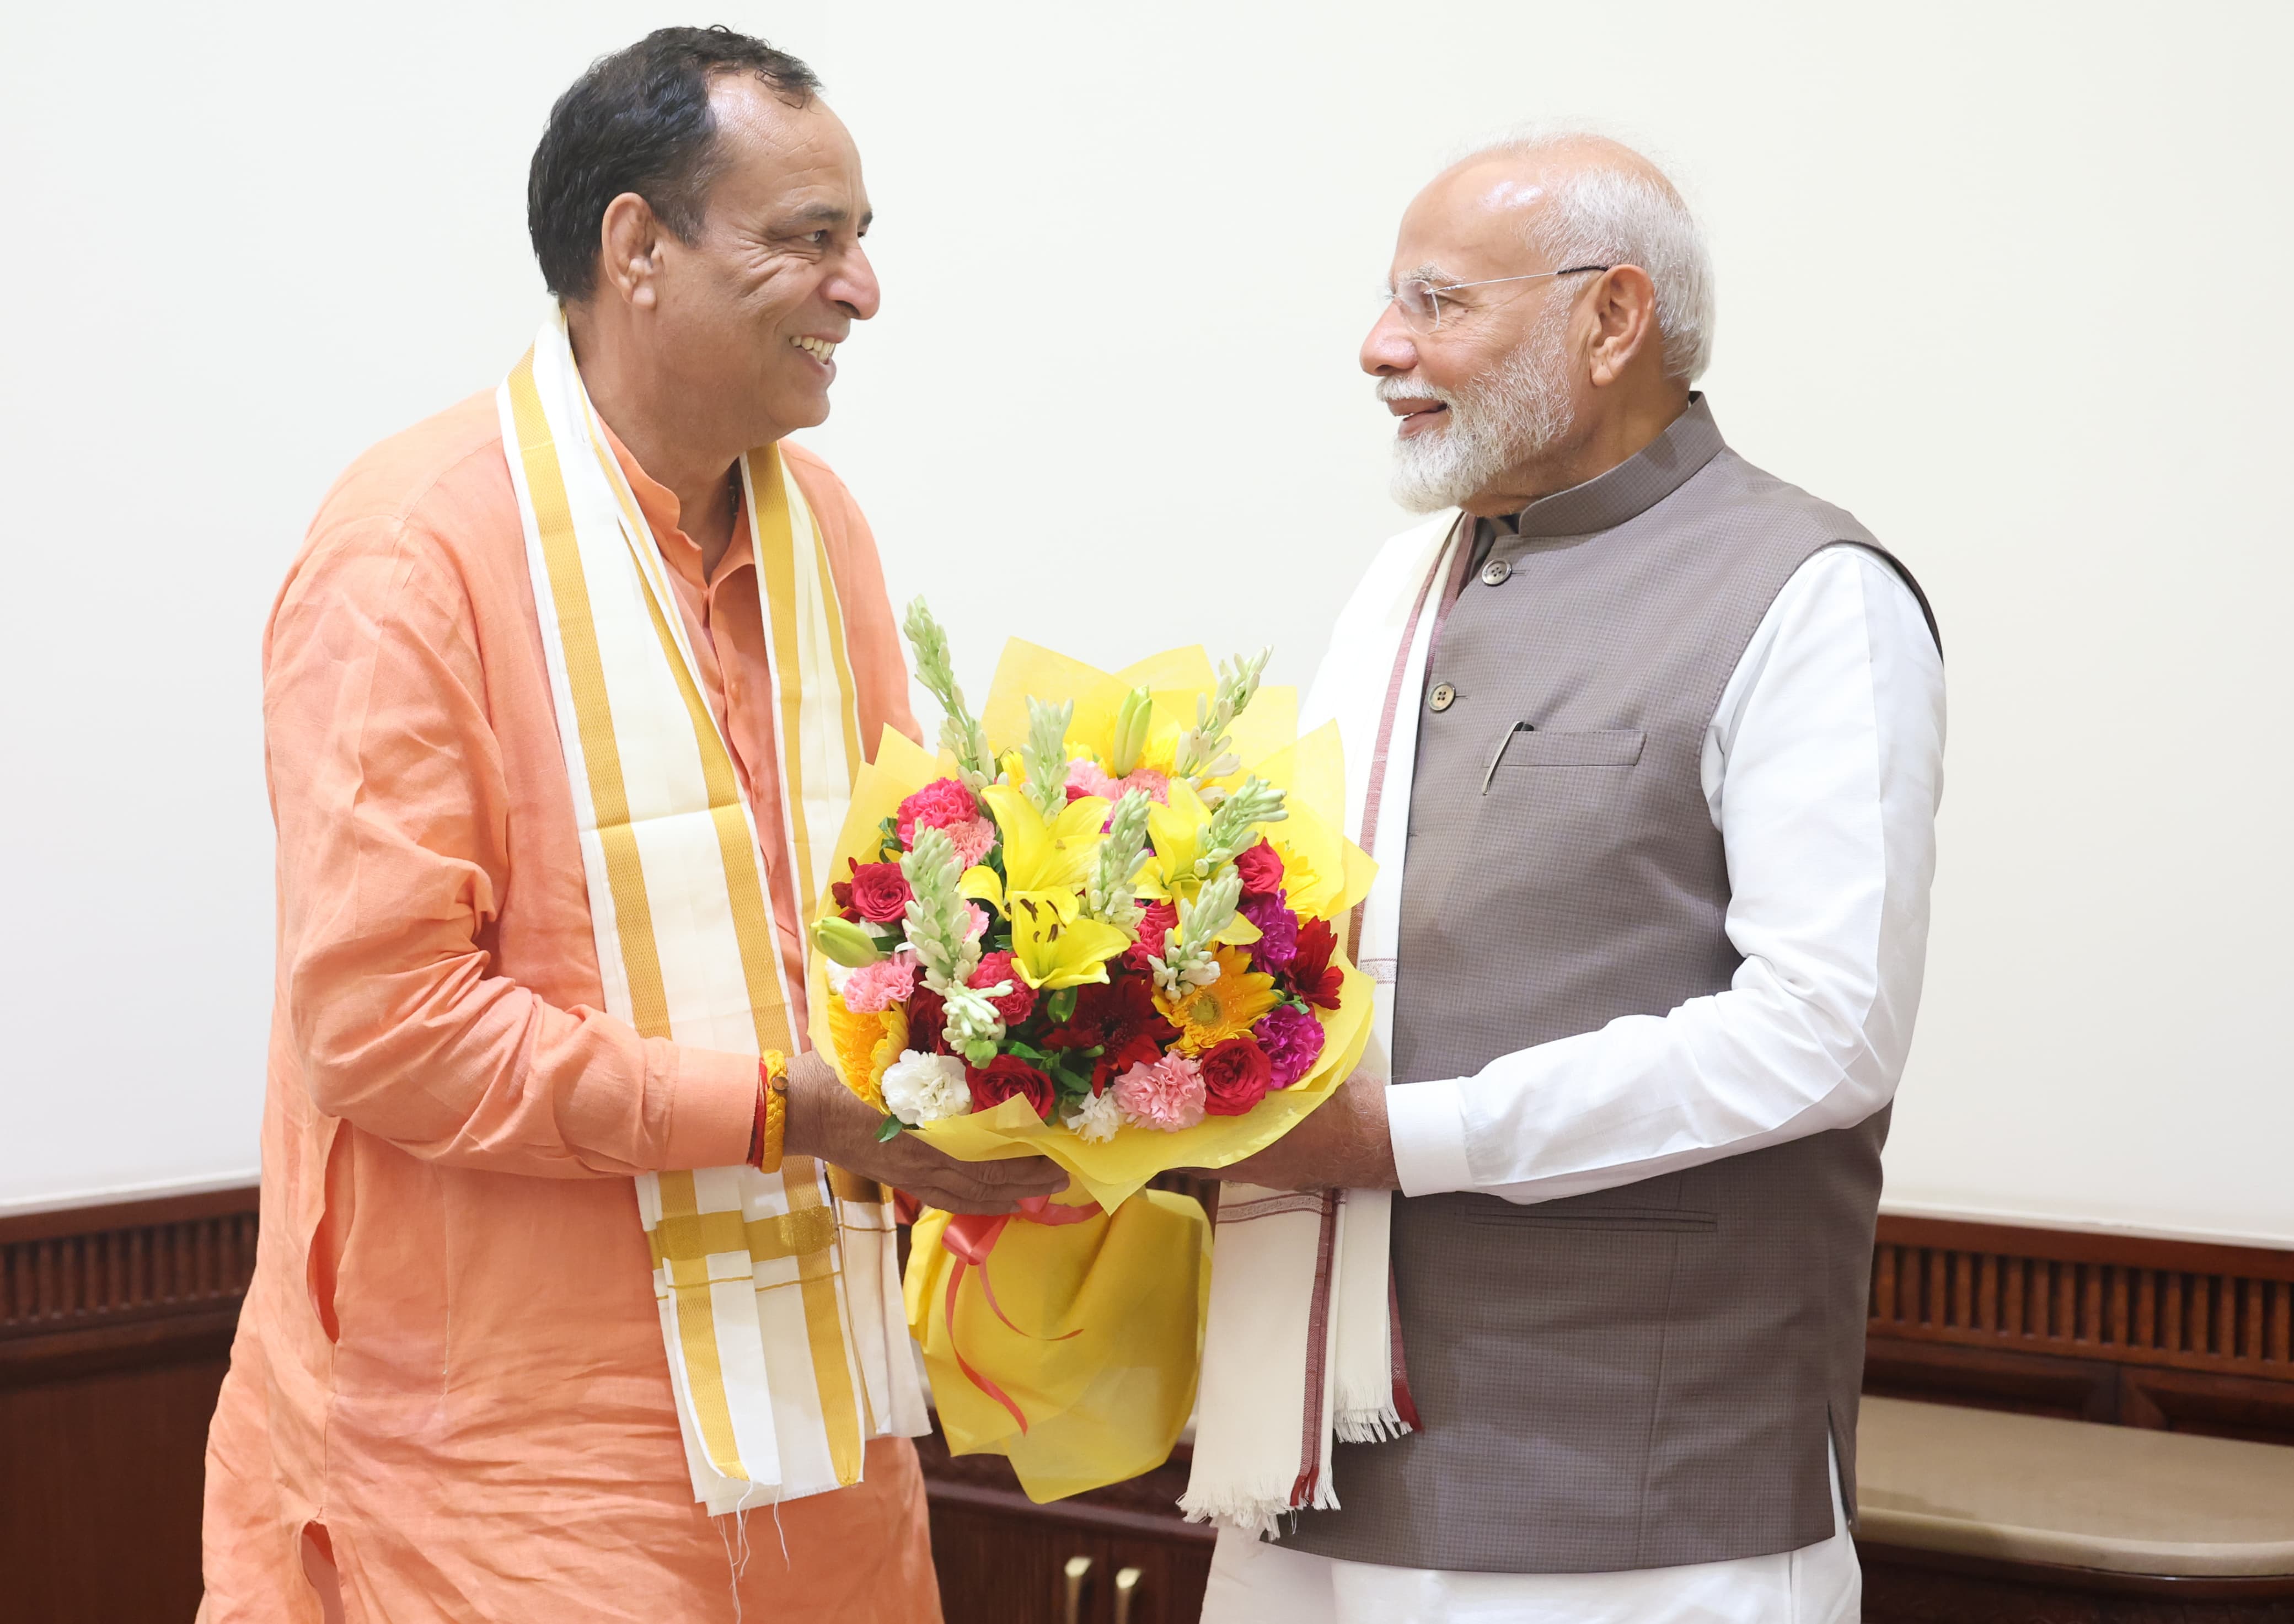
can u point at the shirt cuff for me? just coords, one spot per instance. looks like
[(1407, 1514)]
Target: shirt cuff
[(713, 1111), (1426, 1122)]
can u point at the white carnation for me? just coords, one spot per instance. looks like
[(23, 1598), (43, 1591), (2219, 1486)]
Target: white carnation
[(920, 1088), (1096, 1120)]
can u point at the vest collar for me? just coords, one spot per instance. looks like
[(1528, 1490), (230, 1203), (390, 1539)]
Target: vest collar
[(1632, 487)]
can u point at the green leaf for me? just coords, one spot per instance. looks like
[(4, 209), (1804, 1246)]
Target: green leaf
[(892, 1129)]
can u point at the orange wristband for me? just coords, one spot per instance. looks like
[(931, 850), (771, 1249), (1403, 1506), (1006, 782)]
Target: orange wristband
[(765, 1138)]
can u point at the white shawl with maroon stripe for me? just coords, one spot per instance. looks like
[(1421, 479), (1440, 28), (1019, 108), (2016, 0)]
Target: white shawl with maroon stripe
[(1309, 1272)]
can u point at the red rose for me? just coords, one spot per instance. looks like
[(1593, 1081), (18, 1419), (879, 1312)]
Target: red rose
[(1016, 1005), (1160, 919), (1140, 1049), (1236, 1076), (880, 890), (1312, 975), (1261, 870), (1006, 1076)]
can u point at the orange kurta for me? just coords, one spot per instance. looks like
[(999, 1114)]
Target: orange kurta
[(450, 1360)]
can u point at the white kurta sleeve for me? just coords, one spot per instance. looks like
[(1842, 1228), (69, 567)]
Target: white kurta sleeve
[(1823, 766)]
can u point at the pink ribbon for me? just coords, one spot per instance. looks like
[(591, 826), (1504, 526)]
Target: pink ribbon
[(969, 1239)]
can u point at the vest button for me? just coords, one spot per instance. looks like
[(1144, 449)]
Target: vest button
[(1495, 573), (1442, 697)]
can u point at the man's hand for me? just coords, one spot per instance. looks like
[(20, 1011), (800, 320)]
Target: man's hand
[(1342, 1144), (826, 1120)]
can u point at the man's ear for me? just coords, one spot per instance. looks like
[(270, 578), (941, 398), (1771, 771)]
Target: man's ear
[(1624, 308), (629, 251)]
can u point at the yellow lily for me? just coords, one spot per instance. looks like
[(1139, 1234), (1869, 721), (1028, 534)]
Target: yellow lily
[(1054, 946), (1151, 739), (979, 883), (1175, 830), (1045, 857), (1168, 874)]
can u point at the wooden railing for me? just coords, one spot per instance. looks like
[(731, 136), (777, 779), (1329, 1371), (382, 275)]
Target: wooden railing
[(2185, 1334), (96, 1287)]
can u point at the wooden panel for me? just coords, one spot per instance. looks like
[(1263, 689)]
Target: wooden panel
[(2219, 1406), (99, 1481), (1993, 1379), (2119, 1300), (118, 1286), (115, 1332), (1909, 1587), (986, 1580), (999, 1564)]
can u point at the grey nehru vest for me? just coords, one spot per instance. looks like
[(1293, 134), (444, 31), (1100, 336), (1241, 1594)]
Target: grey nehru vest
[(1646, 1375)]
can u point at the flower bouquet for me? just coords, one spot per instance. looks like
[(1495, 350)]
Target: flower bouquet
[(1102, 925)]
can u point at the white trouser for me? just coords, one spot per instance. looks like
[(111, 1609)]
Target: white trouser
[(1256, 1583)]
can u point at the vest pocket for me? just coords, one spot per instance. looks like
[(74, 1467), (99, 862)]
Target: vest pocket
[(1528, 745), (1606, 1219)]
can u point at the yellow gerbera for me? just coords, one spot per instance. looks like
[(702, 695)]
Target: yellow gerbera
[(866, 1045), (1229, 1007)]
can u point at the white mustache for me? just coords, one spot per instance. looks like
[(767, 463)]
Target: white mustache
[(1411, 389)]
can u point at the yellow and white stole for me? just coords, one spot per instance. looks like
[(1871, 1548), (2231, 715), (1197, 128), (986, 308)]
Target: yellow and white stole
[(779, 1293)]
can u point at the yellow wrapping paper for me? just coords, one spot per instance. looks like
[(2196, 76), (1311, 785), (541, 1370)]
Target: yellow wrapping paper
[(1108, 1402), (1104, 1364)]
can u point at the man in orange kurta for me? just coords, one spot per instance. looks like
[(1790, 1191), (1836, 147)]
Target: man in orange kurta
[(448, 1398)]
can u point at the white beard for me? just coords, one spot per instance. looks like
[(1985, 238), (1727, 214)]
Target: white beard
[(1515, 413)]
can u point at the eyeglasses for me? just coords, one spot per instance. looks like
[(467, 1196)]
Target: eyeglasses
[(1421, 301)]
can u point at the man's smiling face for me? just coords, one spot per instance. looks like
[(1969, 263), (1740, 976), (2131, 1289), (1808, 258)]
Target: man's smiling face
[(752, 311), (1491, 382)]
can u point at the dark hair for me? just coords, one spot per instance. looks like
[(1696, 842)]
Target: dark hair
[(638, 121)]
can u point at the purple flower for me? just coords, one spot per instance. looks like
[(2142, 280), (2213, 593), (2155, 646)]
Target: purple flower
[(1293, 1041), (1278, 930)]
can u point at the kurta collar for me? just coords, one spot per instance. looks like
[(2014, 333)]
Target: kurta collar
[(1632, 487), (664, 515)]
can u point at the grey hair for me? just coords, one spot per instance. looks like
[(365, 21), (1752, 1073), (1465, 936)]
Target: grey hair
[(1621, 212)]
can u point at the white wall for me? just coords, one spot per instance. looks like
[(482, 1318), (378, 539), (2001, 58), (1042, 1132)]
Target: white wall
[(2009, 281)]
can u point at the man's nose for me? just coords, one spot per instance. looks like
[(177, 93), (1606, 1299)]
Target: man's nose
[(854, 286), (1390, 349)]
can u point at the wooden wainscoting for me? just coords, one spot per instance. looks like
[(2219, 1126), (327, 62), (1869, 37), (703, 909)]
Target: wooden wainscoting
[(116, 1324), (2180, 1334), (1122, 1551), (115, 1332)]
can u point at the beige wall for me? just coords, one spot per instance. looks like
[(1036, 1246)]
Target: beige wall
[(2009, 281)]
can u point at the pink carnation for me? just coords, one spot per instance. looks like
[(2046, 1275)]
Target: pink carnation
[(996, 969), (1167, 1094), (972, 838), (1089, 778), (1158, 786), (942, 804), (874, 988)]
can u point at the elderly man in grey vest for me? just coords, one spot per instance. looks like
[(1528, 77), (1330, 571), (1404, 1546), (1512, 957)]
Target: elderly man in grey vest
[(1648, 745)]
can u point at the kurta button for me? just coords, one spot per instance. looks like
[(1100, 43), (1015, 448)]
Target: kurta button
[(1442, 696), (1495, 572)]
